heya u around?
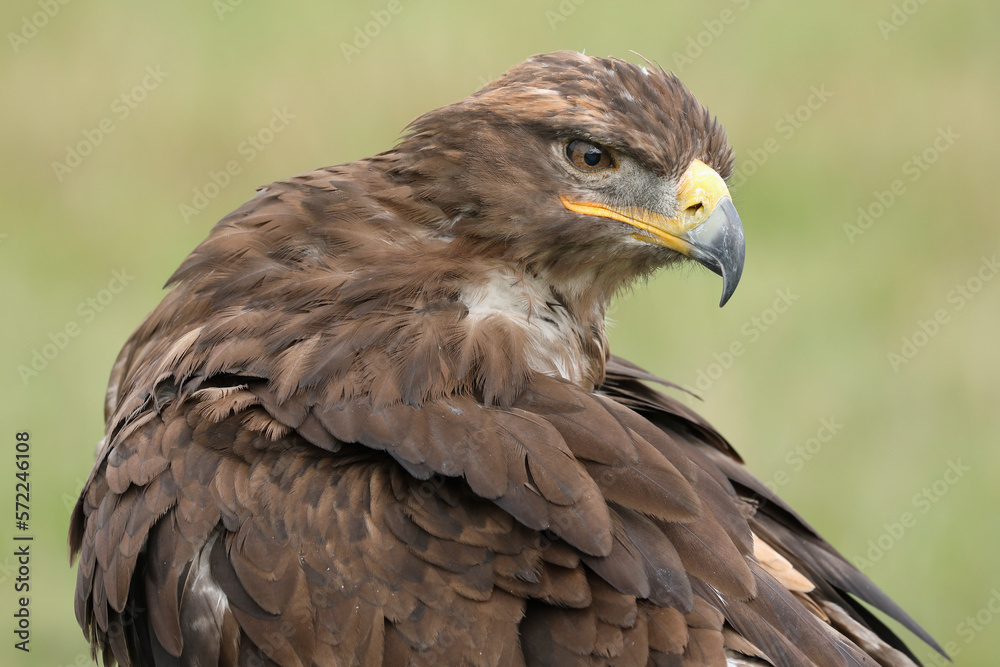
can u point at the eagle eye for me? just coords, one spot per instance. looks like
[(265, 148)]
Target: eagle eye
[(587, 156)]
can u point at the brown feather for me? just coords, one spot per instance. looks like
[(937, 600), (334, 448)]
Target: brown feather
[(376, 421)]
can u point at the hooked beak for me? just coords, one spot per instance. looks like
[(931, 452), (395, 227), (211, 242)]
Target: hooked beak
[(707, 230), (718, 244)]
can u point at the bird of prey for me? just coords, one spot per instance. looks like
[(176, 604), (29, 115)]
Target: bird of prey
[(376, 420)]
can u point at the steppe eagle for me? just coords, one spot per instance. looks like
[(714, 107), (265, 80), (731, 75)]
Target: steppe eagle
[(376, 420)]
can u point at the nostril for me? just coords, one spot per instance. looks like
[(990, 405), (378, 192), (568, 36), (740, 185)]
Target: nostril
[(694, 210)]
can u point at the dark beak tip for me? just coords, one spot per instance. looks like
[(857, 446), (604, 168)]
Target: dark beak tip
[(730, 279), (720, 246), (728, 289)]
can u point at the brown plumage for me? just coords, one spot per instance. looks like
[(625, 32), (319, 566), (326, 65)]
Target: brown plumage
[(376, 420)]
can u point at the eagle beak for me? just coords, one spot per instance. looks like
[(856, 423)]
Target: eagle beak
[(707, 230), (718, 244)]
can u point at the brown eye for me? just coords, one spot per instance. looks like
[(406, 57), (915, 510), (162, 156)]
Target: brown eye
[(586, 156)]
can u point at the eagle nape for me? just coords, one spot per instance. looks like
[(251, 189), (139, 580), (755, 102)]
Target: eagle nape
[(376, 419)]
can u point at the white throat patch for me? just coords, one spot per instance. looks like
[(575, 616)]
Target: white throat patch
[(556, 341)]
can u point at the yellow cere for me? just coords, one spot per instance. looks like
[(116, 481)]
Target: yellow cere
[(699, 190)]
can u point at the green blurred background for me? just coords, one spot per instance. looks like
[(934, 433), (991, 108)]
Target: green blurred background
[(826, 103)]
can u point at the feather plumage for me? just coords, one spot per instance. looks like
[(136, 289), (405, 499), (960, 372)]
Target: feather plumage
[(376, 422)]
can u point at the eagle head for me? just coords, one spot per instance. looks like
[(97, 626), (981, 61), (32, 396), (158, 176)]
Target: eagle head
[(482, 250), (592, 170)]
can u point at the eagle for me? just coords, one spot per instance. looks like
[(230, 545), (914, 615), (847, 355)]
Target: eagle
[(376, 420)]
